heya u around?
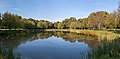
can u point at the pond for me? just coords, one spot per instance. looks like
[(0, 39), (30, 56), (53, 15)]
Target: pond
[(47, 45)]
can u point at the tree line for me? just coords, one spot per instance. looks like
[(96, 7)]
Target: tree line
[(97, 21)]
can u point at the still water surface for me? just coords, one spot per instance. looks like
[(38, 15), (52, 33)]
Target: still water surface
[(49, 45)]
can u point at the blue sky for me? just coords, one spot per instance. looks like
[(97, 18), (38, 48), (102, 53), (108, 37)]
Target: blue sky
[(56, 10)]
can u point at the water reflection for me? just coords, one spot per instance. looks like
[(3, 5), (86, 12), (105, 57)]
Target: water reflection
[(48, 45)]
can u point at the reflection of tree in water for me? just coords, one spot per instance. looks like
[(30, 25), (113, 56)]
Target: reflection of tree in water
[(44, 35), (6, 53), (12, 41), (73, 37), (8, 42)]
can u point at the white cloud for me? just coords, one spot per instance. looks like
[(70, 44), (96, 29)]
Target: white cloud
[(17, 9), (51, 18), (56, 18), (80, 14)]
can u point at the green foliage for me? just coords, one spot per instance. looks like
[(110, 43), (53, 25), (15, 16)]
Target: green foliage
[(100, 20), (10, 20), (97, 20), (60, 25), (27, 24), (73, 25), (44, 24), (55, 25)]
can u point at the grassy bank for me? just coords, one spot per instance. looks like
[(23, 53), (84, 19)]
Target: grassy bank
[(102, 35)]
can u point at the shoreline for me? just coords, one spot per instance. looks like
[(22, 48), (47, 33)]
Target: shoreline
[(102, 35)]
